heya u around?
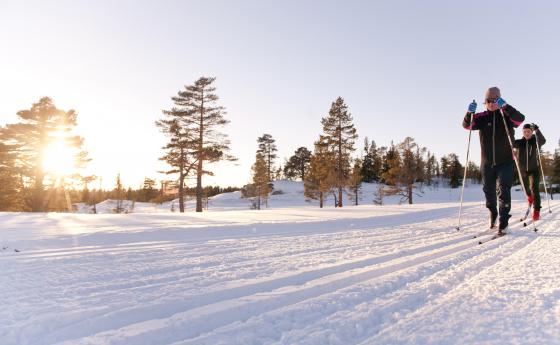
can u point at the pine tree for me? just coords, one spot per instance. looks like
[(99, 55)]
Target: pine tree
[(86, 195), (355, 181), (405, 167), (200, 119), (368, 173), (279, 173), (260, 180), (319, 179), (412, 166), (445, 167), (11, 195), (339, 135), (391, 166), (555, 176), (40, 127), (430, 168), (181, 147), (148, 192), (474, 173), (298, 164), (452, 169), (118, 194), (267, 148)]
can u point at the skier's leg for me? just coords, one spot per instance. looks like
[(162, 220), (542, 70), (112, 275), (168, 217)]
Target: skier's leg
[(505, 181), (526, 181), (535, 183), (489, 187)]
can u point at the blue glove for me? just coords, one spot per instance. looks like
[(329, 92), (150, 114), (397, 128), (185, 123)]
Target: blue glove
[(500, 102), (472, 107)]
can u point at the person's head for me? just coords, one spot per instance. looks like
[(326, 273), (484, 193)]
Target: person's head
[(492, 94), (527, 131)]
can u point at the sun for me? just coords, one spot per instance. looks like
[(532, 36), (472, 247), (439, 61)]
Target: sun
[(59, 158)]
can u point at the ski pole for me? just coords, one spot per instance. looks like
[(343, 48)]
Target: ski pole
[(542, 172), (513, 153), (465, 174)]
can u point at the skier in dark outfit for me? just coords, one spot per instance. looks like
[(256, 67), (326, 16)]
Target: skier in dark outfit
[(529, 164), (497, 164)]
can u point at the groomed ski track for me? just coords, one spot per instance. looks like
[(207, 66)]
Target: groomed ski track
[(388, 275)]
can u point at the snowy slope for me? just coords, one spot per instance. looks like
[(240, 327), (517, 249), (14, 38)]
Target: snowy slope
[(397, 274)]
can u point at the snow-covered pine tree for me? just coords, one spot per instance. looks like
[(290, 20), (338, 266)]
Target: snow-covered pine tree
[(298, 164), (338, 135), (268, 149)]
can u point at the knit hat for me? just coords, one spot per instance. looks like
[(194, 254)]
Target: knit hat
[(492, 93)]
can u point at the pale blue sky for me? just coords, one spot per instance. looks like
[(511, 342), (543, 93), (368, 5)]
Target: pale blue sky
[(405, 68)]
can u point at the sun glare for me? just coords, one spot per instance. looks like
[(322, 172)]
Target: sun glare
[(58, 158)]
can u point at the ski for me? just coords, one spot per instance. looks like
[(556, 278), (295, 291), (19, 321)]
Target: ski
[(489, 231), (493, 237), (529, 222)]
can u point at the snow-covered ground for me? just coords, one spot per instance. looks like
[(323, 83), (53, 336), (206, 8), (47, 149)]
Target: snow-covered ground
[(291, 274)]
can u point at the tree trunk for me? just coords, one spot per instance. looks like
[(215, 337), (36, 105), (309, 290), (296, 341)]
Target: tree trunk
[(181, 192), (320, 199), (410, 194), (200, 160)]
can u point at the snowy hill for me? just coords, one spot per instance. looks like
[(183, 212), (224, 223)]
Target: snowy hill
[(394, 274), (288, 194)]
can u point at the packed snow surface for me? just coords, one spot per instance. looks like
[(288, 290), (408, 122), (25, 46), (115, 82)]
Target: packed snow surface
[(392, 274)]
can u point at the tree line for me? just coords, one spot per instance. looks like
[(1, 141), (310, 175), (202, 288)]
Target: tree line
[(193, 128)]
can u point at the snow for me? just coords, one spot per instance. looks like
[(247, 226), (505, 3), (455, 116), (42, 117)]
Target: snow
[(289, 194), (290, 274)]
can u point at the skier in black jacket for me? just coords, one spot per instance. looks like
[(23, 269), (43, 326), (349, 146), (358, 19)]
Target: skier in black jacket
[(497, 162), (529, 164)]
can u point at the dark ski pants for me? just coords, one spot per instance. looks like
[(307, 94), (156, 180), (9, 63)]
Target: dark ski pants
[(497, 181), (531, 180)]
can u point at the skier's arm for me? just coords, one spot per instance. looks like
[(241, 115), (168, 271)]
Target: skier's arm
[(475, 121), (515, 116), (517, 143), (540, 137)]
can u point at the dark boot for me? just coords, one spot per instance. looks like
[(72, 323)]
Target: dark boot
[(503, 224)]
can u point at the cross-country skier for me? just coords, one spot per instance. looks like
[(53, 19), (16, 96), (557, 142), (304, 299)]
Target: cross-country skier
[(497, 162), (529, 164)]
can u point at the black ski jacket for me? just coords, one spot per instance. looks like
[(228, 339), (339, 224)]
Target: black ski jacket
[(494, 144), (527, 152)]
